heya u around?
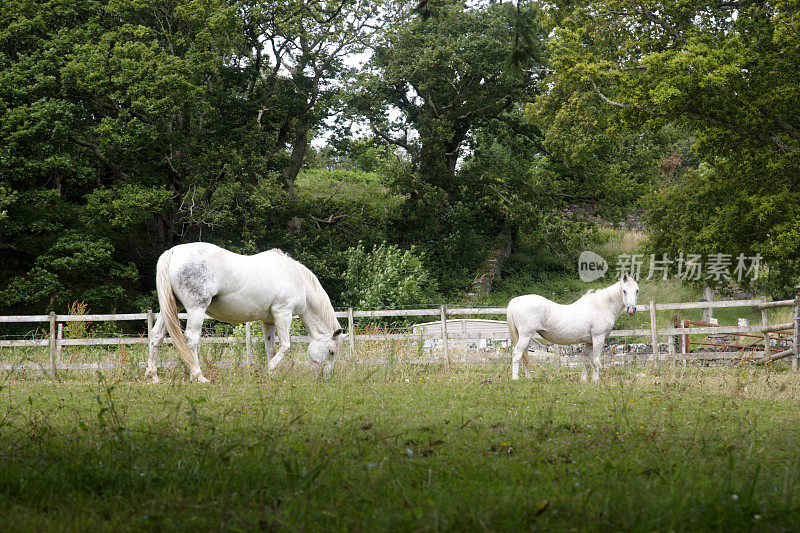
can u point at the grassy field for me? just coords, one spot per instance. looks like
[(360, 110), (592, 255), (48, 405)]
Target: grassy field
[(402, 448)]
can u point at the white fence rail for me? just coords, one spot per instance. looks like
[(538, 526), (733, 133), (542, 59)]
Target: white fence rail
[(55, 339)]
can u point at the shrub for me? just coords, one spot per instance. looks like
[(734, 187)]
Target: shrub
[(386, 276)]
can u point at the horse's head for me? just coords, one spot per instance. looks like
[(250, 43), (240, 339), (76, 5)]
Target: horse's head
[(630, 291), (322, 351)]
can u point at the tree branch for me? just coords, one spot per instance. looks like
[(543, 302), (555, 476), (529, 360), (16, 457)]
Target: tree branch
[(89, 143), (402, 143), (611, 102)]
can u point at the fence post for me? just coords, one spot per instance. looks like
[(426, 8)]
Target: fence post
[(150, 346), (708, 312), (796, 346), (765, 323), (653, 332), (444, 338), (351, 329), (58, 343), (53, 344), (248, 340), (671, 350), (685, 345)]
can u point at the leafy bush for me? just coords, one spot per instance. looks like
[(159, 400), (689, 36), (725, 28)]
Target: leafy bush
[(386, 276)]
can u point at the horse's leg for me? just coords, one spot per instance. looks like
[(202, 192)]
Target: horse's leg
[(157, 335), (519, 351), (194, 327), (327, 368), (283, 323), (598, 342), (585, 374), (269, 339)]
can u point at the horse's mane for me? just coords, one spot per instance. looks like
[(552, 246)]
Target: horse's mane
[(316, 297)]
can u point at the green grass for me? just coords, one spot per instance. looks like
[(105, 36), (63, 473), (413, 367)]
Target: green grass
[(403, 448)]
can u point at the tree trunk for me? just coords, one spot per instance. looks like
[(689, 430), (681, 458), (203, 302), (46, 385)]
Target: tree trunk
[(299, 149)]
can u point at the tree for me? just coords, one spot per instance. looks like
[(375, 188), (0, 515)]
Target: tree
[(444, 76), (724, 71), (431, 84), (295, 54), (128, 127)]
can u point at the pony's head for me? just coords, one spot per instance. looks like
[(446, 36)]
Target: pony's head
[(322, 351), (630, 291)]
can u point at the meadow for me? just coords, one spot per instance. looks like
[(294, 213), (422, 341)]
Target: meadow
[(402, 447)]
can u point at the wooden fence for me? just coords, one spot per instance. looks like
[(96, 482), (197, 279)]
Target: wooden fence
[(55, 340)]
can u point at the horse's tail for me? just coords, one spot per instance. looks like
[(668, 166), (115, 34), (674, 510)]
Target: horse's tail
[(512, 327), (169, 308)]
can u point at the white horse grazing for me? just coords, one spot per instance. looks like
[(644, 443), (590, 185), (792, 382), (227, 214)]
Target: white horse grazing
[(586, 321), (270, 287)]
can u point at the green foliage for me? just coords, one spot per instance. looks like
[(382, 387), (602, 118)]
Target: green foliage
[(724, 73), (76, 265), (707, 213), (446, 75), (385, 276), (128, 127), (449, 77), (366, 154)]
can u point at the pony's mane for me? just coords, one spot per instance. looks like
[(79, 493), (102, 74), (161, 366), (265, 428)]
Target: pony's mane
[(586, 294), (602, 295), (316, 297)]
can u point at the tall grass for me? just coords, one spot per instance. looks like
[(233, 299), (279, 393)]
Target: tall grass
[(403, 447)]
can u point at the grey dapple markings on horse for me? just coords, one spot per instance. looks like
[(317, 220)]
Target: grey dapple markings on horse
[(270, 286), (588, 320)]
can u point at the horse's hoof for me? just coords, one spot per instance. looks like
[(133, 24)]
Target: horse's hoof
[(155, 379), (201, 379)]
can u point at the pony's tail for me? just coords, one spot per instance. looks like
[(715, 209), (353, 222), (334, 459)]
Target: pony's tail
[(169, 308), (514, 332)]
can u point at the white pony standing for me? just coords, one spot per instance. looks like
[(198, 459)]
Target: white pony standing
[(588, 320), (271, 287)]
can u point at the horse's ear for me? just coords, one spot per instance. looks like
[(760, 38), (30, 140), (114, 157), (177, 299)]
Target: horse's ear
[(625, 277), (337, 332)]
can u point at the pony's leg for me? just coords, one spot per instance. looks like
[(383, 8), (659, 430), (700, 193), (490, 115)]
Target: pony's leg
[(585, 374), (269, 339), (519, 351), (527, 366), (283, 323), (158, 333), (194, 326), (597, 353)]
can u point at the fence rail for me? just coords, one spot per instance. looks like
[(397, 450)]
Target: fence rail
[(56, 341)]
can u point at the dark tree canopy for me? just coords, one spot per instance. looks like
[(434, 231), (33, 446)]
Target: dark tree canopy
[(129, 126)]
